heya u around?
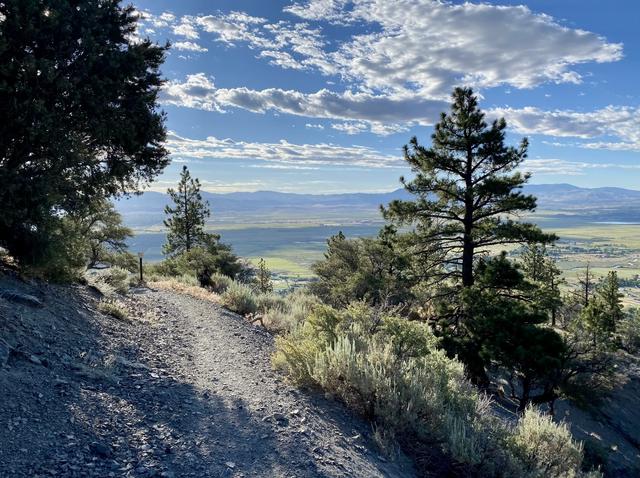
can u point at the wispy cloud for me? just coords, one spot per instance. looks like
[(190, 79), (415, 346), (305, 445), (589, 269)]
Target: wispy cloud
[(570, 168), (282, 153)]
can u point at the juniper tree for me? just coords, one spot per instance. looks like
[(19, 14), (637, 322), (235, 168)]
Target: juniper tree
[(80, 117), (101, 225), (466, 191), (186, 217)]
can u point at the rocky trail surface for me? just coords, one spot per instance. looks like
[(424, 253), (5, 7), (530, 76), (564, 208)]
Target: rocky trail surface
[(182, 389)]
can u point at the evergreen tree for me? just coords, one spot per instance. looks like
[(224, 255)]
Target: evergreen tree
[(187, 216), (586, 285), (263, 277), (78, 97), (466, 192), (376, 270), (540, 268), (604, 311), (608, 292), (466, 189)]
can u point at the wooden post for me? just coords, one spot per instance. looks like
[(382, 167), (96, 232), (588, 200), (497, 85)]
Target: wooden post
[(140, 255)]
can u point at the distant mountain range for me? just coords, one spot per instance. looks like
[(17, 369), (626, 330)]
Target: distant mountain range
[(606, 203)]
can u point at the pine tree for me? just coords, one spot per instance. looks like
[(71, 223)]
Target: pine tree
[(586, 283), (540, 268), (466, 193), (608, 292), (466, 189), (603, 312), (186, 218), (78, 96)]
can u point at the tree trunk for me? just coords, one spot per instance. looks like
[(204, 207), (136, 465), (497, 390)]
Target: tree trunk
[(467, 261), (526, 393)]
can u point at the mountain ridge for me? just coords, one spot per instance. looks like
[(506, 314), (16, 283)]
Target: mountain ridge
[(148, 208)]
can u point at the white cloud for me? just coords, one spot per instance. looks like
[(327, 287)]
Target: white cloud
[(314, 126), (401, 72), (282, 153), (357, 112), (199, 91), (186, 29), (429, 46), (189, 46), (569, 168), (215, 186), (621, 123)]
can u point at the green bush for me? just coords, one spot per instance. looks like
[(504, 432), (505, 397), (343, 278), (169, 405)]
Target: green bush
[(544, 447), (271, 301), (239, 298), (629, 332), (284, 314), (116, 278), (391, 371), (220, 283)]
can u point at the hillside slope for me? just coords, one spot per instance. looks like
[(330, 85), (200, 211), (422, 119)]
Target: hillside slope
[(182, 389)]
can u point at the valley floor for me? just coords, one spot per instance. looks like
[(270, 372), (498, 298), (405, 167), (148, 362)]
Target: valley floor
[(182, 389)]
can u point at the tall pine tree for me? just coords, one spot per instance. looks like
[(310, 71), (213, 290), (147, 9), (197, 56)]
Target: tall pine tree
[(466, 191), (187, 216)]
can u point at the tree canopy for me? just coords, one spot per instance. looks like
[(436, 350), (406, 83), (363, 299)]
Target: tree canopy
[(186, 218), (78, 93), (466, 191)]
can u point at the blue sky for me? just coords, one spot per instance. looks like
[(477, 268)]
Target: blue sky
[(320, 95)]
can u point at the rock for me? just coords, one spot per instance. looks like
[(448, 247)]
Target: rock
[(101, 450), (19, 298), (35, 360), (278, 418), (230, 464)]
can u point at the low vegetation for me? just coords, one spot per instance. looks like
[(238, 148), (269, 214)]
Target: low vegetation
[(113, 308), (393, 372)]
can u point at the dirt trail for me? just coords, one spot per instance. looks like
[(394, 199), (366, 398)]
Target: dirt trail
[(184, 390)]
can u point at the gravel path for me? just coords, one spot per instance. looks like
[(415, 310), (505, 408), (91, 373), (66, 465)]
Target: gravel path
[(185, 390)]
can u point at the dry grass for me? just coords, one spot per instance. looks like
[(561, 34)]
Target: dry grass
[(175, 285)]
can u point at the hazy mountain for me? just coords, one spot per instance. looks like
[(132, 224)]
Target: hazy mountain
[(607, 203)]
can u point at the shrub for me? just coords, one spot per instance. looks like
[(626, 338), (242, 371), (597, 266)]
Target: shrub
[(116, 278), (544, 447), (271, 301), (220, 283), (391, 371), (239, 298), (112, 308)]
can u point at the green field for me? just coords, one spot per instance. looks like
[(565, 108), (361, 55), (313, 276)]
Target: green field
[(290, 247)]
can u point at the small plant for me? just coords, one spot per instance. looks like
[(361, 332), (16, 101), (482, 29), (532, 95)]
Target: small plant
[(271, 301), (239, 298), (116, 278), (263, 277), (113, 308)]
